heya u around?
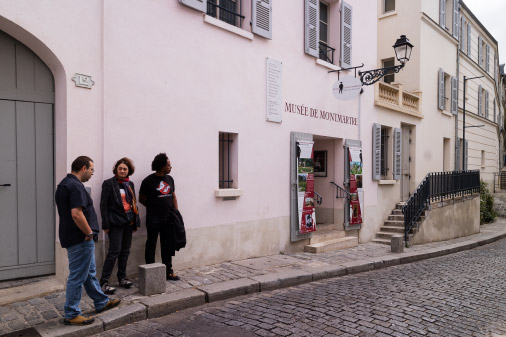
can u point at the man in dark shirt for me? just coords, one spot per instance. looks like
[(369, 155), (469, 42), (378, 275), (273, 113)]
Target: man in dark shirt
[(78, 231), (157, 193)]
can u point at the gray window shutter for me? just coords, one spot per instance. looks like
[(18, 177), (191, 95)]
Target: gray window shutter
[(469, 39), (486, 104), (457, 157), (495, 67), (376, 155), (466, 154), (261, 18), (479, 100), (346, 23), (311, 27), (495, 112), (487, 58), (480, 52), (454, 95), (200, 5), (442, 13), (441, 89), (463, 26), (397, 153), (456, 19)]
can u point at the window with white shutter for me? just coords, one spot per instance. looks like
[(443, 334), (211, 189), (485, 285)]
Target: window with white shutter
[(261, 18), (487, 58), (442, 13), (455, 28), (480, 110), (376, 152), (480, 51), (397, 153), (463, 35), (441, 90), (469, 39), (346, 34), (495, 112), (486, 104), (454, 95), (311, 31), (200, 5)]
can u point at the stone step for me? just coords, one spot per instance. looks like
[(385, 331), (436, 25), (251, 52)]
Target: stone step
[(397, 212), (394, 223), (382, 241), (385, 235), (396, 217), (328, 246), (400, 205), (392, 229), (322, 235)]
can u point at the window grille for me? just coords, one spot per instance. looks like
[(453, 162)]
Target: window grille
[(384, 151), (225, 176), (228, 11)]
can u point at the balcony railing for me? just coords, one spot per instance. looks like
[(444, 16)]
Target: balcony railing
[(326, 53), (394, 97)]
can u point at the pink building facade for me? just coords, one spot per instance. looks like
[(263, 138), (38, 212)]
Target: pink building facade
[(167, 76)]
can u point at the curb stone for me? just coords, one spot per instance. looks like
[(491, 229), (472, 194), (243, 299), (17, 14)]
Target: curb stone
[(159, 305)]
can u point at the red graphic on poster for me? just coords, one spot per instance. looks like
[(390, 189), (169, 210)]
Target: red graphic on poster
[(305, 187), (355, 156)]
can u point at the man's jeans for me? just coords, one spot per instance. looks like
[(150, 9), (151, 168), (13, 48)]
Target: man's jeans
[(82, 272)]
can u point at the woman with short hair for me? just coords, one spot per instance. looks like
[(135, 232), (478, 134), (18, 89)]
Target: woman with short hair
[(120, 218)]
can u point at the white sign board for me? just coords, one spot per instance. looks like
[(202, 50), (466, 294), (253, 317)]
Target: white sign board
[(274, 93), (346, 88)]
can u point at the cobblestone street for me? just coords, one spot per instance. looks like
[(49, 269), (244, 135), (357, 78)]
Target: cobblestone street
[(463, 294)]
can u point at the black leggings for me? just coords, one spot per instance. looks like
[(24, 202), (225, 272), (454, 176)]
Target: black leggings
[(120, 241)]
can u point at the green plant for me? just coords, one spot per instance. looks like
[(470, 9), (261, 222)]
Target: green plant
[(487, 213)]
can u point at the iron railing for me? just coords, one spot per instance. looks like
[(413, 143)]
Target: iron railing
[(341, 192), (499, 181), (438, 186), (326, 52)]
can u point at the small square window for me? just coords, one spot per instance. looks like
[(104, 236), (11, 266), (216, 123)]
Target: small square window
[(388, 6)]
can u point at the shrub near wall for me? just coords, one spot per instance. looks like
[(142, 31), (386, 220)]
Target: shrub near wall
[(487, 213)]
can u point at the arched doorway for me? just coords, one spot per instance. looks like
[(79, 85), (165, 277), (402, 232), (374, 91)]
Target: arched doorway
[(27, 163)]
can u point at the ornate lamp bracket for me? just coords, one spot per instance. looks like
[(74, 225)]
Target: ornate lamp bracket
[(372, 76)]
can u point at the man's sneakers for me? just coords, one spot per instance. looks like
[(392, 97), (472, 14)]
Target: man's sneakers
[(172, 277), (113, 303), (107, 289), (79, 320), (125, 283)]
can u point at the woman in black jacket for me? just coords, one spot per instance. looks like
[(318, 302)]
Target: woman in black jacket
[(120, 218)]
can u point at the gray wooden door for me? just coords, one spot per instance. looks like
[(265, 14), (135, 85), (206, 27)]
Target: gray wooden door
[(26, 163), (405, 163)]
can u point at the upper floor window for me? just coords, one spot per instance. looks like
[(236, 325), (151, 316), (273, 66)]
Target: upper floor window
[(233, 13), (390, 75), (449, 16), (318, 23), (326, 52), (388, 6), (447, 92), (225, 10)]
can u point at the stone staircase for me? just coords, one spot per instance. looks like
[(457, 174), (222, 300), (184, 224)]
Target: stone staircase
[(328, 237), (394, 225)]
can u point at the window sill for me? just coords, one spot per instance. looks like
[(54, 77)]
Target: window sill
[(449, 114), (223, 25), (228, 193), (327, 65), (387, 182), (387, 14)]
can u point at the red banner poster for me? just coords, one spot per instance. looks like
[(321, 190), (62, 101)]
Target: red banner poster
[(305, 187), (355, 157)]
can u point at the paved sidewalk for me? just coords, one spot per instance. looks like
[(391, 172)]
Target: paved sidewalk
[(197, 286)]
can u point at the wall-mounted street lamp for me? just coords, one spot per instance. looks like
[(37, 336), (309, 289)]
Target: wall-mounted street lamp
[(402, 49)]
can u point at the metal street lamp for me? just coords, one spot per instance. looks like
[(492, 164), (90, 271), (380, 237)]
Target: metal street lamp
[(402, 48), (464, 122)]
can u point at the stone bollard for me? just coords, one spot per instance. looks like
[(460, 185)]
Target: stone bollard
[(397, 244), (152, 279)]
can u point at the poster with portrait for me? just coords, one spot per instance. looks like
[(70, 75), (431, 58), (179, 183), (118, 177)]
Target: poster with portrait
[(305, 187), (356, 185)]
